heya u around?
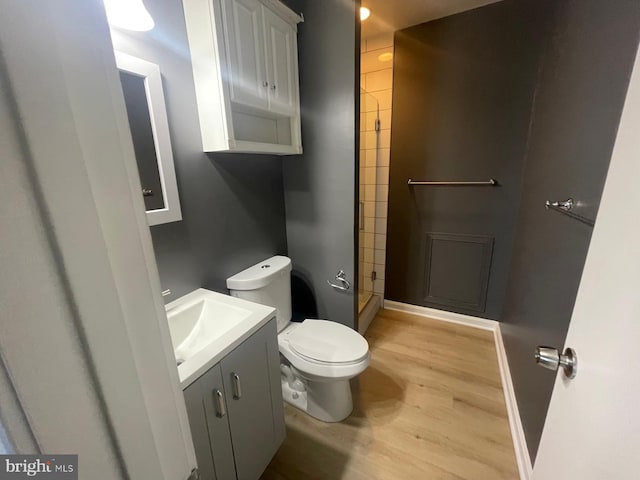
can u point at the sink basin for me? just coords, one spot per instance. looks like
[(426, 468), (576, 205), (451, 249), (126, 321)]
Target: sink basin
[(205, 326), (199, 323)]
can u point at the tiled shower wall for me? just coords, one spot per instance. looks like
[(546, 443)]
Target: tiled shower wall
[(376, 80)]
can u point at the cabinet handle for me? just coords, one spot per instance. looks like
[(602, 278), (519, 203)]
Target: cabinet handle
[(265, 84), (237, 388), (273, 87), (219, 398)]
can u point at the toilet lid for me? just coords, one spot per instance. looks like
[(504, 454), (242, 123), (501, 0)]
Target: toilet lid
[(329, 342)]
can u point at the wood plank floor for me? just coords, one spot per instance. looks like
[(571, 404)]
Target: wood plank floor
[(430, 406)]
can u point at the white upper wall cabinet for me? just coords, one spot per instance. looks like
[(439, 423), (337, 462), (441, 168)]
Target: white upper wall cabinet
[(245, 50), (282, 66), (245, 67)]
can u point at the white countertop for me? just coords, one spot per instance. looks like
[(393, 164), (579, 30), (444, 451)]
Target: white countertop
[(211, 346)]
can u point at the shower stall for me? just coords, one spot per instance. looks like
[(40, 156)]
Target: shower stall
[(369, 144)]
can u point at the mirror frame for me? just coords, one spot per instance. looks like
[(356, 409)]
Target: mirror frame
[(162, 141)]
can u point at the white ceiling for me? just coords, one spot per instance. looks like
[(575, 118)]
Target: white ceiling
[(391, 15)]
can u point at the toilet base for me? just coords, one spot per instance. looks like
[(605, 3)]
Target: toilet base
[(326, 401)]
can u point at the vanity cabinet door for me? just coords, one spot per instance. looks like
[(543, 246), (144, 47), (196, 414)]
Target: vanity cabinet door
[(210, 426), (199, 431), (281, 51), (216, 412), (244, 37), (251, 376)]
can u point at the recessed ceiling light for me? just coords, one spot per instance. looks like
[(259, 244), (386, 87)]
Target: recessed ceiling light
[(385, 57), (128, 14), (364, 13)]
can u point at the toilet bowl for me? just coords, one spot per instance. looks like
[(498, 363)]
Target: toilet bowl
[(323, 356), (319, 357)]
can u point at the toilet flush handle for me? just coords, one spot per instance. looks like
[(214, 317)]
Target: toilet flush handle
[(345, 285)]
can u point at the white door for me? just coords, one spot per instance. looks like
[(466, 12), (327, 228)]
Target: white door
[(86, 364), (244, 37), (592, 430), (280, 41)]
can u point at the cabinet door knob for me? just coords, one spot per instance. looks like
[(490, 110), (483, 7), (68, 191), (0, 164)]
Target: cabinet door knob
[(237, 388), (273, 87), (265, 84), (220, 405)]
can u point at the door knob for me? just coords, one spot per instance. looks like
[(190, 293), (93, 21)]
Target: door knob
[(550, 358)]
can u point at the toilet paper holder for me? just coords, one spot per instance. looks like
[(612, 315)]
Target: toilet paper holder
[(344, 285)]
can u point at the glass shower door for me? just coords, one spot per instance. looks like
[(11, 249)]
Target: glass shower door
[(369, 130)]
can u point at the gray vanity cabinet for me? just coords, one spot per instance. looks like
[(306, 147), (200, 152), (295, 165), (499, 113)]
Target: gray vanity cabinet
[(236, 410)]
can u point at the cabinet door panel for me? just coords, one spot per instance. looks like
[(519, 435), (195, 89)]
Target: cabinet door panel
[(218, 424), (244, 40), (256, 417), (280, 41), (199, 431)]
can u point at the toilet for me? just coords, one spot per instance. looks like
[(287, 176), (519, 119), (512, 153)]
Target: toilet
[(319, 357)]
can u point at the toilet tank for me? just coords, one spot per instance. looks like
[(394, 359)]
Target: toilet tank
[(267, 283)]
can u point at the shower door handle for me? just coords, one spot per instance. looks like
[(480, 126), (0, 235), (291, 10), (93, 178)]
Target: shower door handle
[(361, 215)]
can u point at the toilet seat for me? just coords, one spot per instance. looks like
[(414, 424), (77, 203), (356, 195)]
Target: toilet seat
[(324, 349), (328, 342)]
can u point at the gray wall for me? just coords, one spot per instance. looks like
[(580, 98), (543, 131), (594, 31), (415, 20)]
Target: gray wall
[(232, 204), (579, 98), (320, 191), (462, 96)]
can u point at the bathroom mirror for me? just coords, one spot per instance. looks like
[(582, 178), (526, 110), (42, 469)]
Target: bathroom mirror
[(144, 99)]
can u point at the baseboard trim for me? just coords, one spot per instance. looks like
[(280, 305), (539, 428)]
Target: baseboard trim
[(523, 460), (517, 432), (443, 315)]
